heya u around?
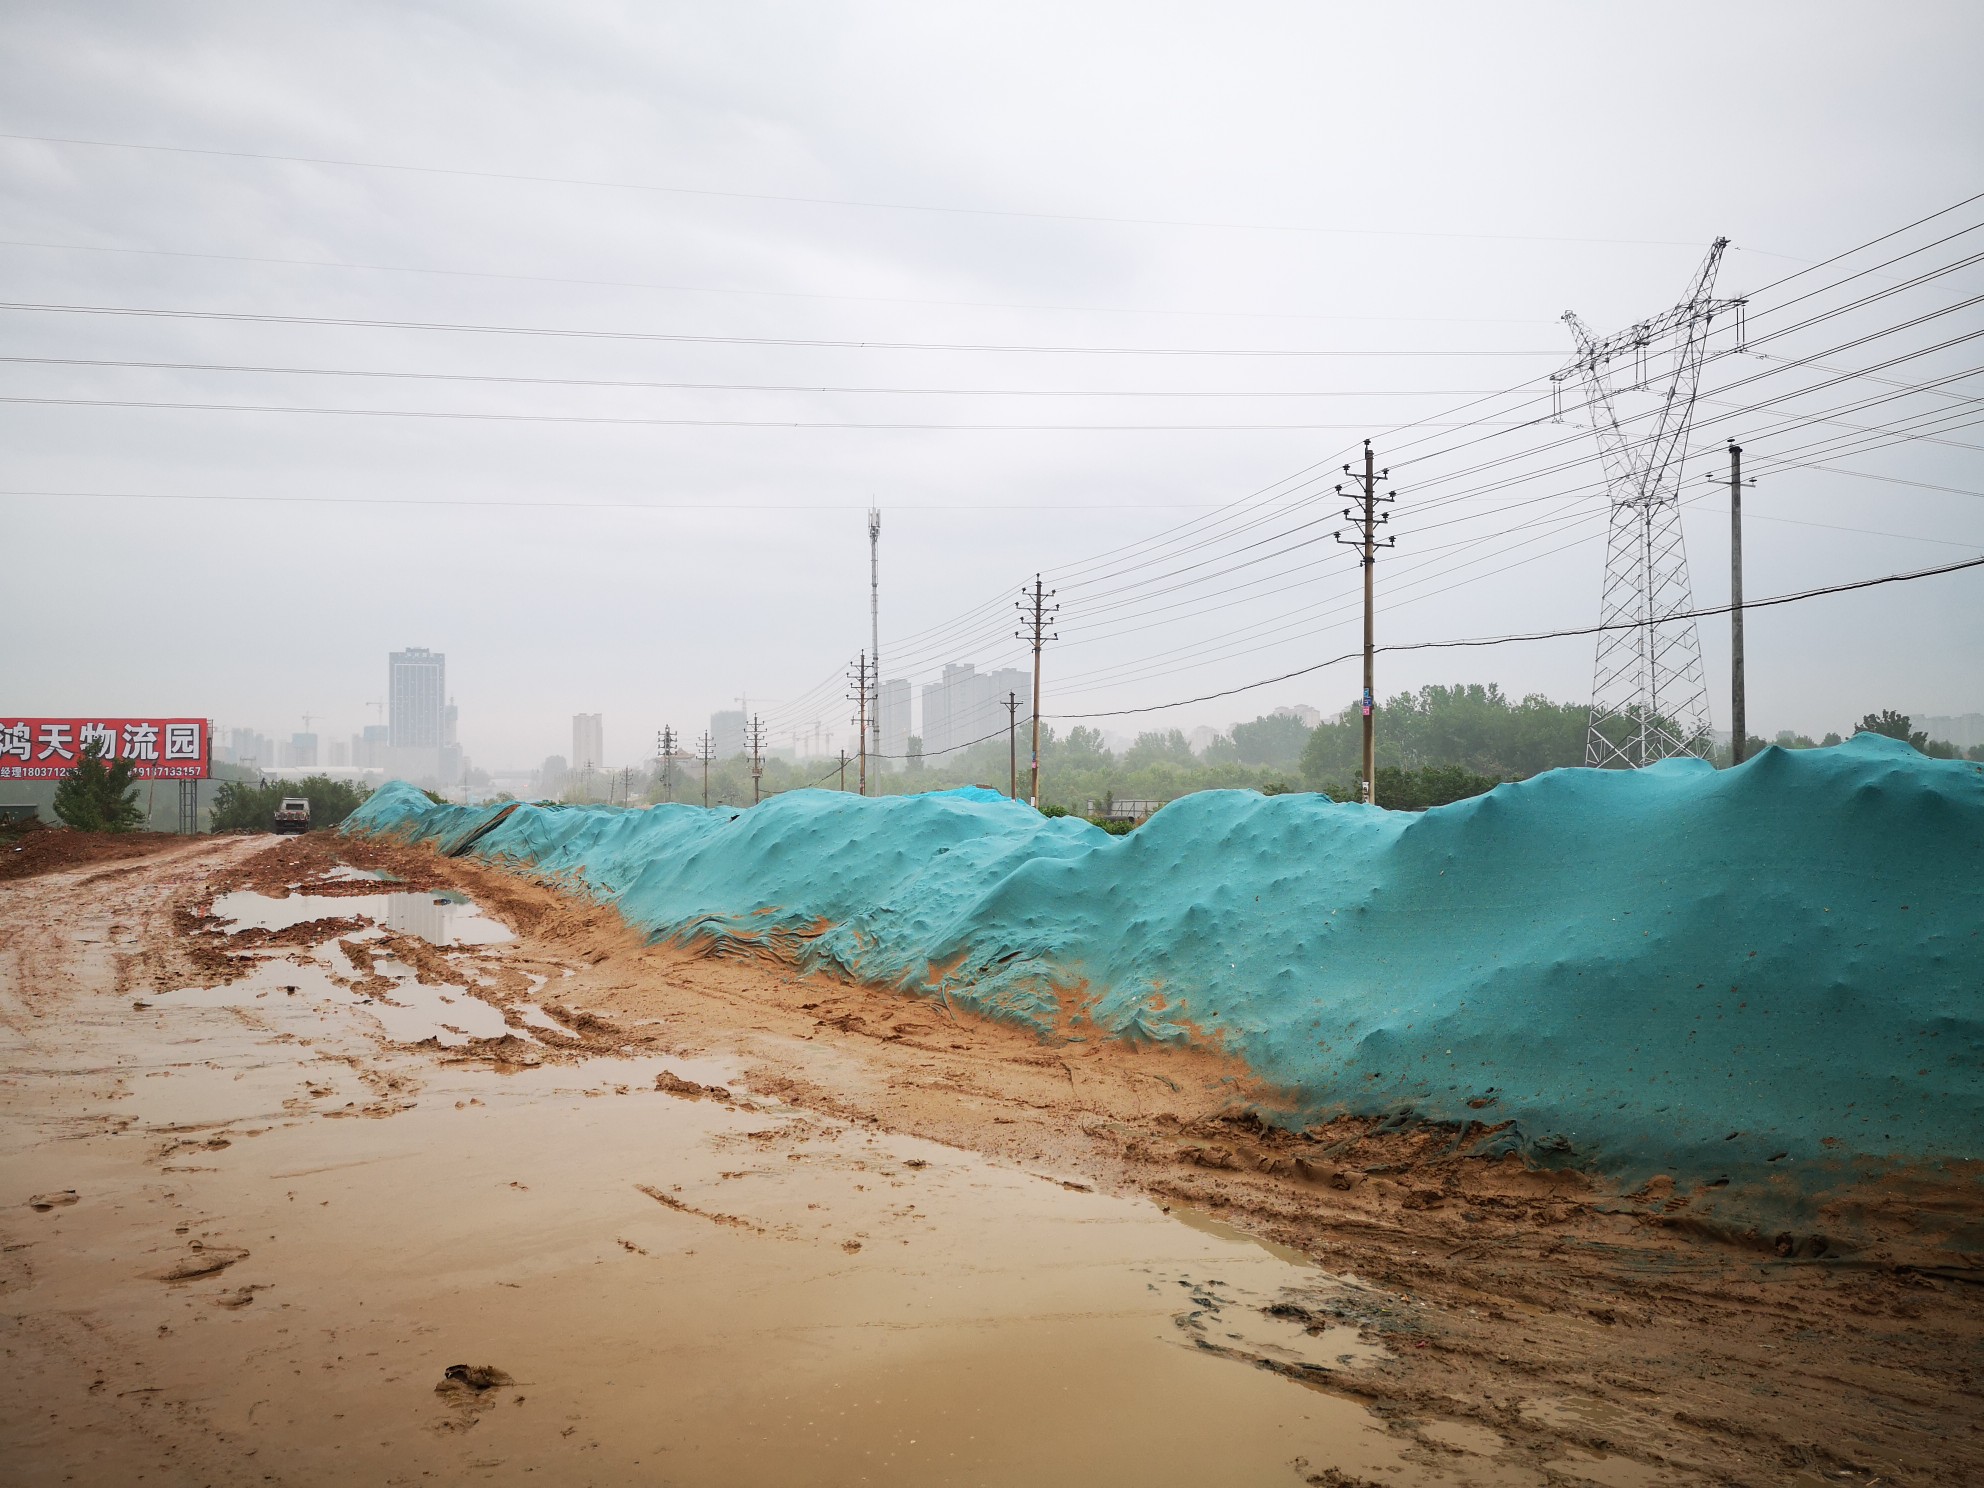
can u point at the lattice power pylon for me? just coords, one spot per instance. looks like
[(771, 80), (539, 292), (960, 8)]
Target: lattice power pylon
[(1649, 700)]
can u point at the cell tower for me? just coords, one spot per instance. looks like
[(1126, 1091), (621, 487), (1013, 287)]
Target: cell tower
[(1649, 700)]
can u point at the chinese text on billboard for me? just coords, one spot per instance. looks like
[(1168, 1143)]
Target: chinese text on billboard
[(158, 748)]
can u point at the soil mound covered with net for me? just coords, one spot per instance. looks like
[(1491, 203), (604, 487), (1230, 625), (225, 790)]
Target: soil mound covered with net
[(1764, 982)]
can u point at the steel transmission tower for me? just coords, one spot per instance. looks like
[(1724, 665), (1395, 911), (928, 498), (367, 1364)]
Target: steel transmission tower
[(1649, 700)]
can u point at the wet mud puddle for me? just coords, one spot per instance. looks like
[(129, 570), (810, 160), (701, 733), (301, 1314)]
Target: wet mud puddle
[(441, 917), (625, 1270), (356, 967)]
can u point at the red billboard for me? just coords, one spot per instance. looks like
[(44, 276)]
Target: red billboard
[(158, 748)]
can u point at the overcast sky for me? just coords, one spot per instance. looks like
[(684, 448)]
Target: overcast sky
[(1408, 197)]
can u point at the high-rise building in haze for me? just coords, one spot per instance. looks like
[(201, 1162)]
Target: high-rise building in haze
[(369, 745), (968, 706), (1965, 730), (416, 685), (251, 748), (727, 733), (588, 740)]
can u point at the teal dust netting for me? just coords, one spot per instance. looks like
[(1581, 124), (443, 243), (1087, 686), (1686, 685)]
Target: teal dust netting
[(1772, 974)]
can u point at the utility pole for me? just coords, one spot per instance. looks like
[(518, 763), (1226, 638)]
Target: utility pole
[(1035, 612), (861, 720), (843, 769), (1739, 724), (665, 747), (706, 749), (1369, 520), (757, 756), (875, 642), (1013, 743)]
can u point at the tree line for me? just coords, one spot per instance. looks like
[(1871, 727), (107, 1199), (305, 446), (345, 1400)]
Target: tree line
[(1434, 746)]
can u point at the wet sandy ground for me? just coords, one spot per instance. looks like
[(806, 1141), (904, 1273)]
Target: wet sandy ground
[(297, 1154)]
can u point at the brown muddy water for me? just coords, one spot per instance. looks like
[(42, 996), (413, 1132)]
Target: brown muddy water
[(267, 1227)]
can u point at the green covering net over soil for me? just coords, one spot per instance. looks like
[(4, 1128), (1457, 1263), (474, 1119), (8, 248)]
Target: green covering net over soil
[(1771, 975)]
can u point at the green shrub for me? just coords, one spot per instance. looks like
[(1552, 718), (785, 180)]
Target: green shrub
[(99, 797)]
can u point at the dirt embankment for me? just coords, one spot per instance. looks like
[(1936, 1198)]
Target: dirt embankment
[(43, 849), (1758, 1360)]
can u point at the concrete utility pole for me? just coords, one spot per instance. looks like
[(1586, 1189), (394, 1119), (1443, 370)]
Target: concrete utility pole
[(1740, 737), (1739, 723), (1012, 743), (843, 770), (665, 746), (1035, 612), (706, 748), (757, 756), (1369, 520), (861, 716), (875, 635)]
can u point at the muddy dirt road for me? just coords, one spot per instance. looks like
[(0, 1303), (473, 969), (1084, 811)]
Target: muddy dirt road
[(317, 1176)]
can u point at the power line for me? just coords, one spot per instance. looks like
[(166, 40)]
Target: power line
[(1197, 522), (244, 317), (1540, 635), (1481, 641), (643, 506), (733, 387), (446, 416), (1169, 661), (825, 201), (780, 294)]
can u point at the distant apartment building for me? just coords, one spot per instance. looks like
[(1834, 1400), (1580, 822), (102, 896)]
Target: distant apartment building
[(340, 753), (416, 685), (246, 747), (416, 689), (588, 740), (369, 746), (1965, 730), (727, 731), (967, 705), (894, 705), (300, 751)]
